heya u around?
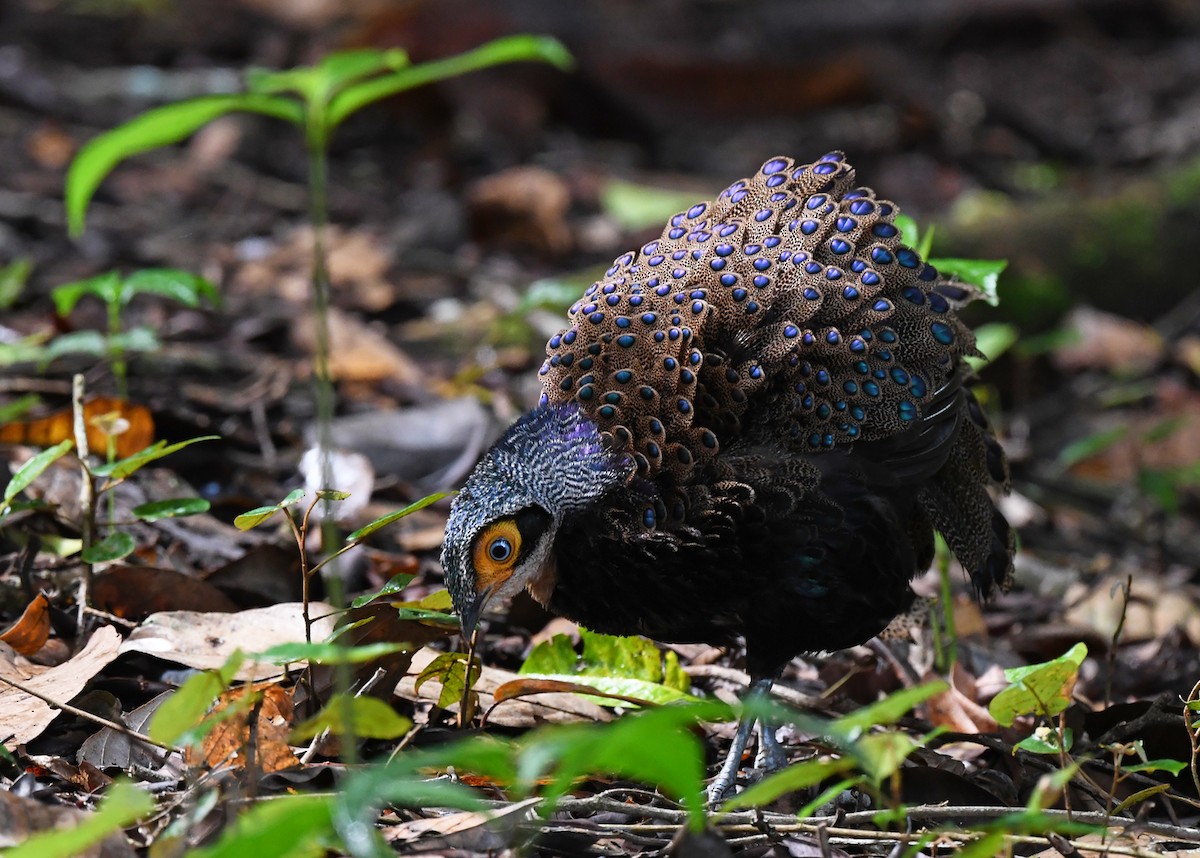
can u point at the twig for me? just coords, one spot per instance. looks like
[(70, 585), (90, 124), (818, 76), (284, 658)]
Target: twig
[(87, 496), (1111, 660), (95, 719)]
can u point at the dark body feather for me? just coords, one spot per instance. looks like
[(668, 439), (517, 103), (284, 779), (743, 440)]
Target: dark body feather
[(786, 378)]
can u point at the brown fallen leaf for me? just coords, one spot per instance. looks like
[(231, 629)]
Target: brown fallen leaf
[(205, 641), (475, 831), (23, 717), (22, 817), (32, 629), (131, 425), (235, 741), (134, 592), (521, 206)]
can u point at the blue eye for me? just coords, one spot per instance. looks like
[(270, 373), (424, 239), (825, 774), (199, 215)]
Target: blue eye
[(500, 549)]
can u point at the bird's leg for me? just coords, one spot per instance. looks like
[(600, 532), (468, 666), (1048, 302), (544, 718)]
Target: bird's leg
[(771, 756), (726, 778)]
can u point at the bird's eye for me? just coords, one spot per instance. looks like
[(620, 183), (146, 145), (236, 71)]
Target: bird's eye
[(496, 548), (500, 549)]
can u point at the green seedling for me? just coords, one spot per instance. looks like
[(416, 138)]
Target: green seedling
[(316, 99), (116, 291)]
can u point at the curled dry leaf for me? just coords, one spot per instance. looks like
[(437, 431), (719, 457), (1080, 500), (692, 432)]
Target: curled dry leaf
[(31, 631), (23, 717)]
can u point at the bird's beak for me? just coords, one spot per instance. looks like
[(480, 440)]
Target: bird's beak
[(469, 618)]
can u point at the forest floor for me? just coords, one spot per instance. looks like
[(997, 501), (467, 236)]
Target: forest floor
[(465, 217)]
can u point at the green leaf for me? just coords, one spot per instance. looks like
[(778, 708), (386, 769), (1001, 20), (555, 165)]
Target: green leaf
[(343, 68), (910, 233), (139, 339), (449, 669), (184, 709), (1038, 689), (397, 584), (33, 468), (657, 747), (673, 674), (122, 468), (106, 287), (887, 711), (17, 408), (332, 494), (174, 283), (621, 686), (505, 50), (880, 755), (987, 846), (1172, 766), (327, 653), (1045, 741), (296, 826), (440, 618), (984, 273), (116, 545), (358, 797), (632, 657), (171, 508), (993, 339), (797, 777), (253, 518), (368, 529), (122, 805), (555, 656), (13, 278), (1091, 445), (91, 343), (358, 717), (634, 206), (555, 293), (1140, 796), (153, 129)]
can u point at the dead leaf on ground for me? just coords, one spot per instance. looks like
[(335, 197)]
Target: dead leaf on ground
[(108, 748), (1111, 343), (477, 831), (22, 817), (543, 709), (234, 741), (131, 424), (23, 717), (205, 641), (360, 352), (134, 592), (957, 709), (32, 629), (524, 206)]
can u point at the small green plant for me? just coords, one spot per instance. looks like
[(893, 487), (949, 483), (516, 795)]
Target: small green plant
[(298, 525), (316, 99), (626, 667), (117, 543), (116, 291)]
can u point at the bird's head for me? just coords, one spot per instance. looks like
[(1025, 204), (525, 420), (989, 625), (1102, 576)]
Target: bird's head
[(500, 535)]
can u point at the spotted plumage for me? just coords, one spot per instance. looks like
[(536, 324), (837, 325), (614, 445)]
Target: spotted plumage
[(751, 427)]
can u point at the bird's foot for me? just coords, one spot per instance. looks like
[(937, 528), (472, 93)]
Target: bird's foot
[(771, 757)]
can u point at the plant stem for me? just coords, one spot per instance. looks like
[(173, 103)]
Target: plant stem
[(116, 353), (87, 495)]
